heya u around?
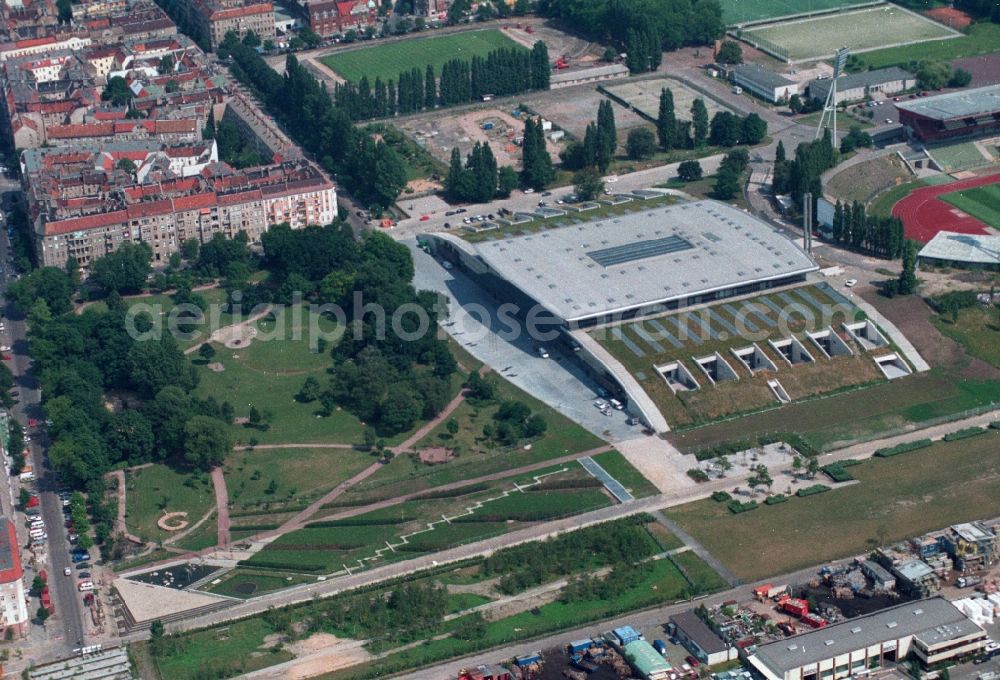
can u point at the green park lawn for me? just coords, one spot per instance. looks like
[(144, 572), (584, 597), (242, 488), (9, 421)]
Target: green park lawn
[(983, 203), (271, 479), (326, 546), (896, 498), (626, 474), (977, 329), (385, 61), (205, 536), (222, 652), (269, 372), (157, 489), (980, 38)]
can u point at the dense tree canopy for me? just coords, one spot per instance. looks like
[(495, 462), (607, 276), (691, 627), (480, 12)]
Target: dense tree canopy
[(123, 271)]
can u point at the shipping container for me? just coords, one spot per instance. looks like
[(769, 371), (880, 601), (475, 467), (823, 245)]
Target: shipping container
[(813, 621), (795, 606)]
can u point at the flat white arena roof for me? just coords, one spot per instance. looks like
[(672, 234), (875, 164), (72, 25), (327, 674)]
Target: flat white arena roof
[(955, 247), (639, 259)]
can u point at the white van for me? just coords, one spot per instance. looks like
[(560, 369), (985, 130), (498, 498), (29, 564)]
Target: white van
[(37, 534), (85, 586)]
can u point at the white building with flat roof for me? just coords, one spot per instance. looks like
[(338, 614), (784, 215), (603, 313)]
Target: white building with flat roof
[(933, 630), (636, 264)]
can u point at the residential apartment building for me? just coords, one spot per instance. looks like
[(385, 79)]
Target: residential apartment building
[(213, 19), (13, 607)]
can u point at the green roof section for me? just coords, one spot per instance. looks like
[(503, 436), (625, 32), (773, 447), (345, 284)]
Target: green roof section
[(646, 660)]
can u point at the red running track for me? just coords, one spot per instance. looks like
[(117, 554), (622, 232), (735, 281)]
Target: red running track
[(924, 214)]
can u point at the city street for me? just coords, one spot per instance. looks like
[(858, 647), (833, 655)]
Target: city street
[(64, 631)]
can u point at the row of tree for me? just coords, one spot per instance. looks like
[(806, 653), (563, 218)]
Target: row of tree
[(880, 236), (728, 180), (674, 23), (984, 9), (725, 129), (369, 169), (479, 180), (802, 174), (599, 143), (502, 72)]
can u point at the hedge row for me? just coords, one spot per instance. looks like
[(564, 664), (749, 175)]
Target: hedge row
[(837, 473), (812, 490), (889, 451), (721, 497), (280, 565), (775, 499), (452, 493), (359, 522), (849, 462), (964, 434), (255, 527), (582, 483), (697, 475), (728, 448), (736, 507)]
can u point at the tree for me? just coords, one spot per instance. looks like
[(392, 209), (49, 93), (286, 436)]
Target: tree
[(117, 92), (43, 614), (666, 120), (730, 52), (588, 184), (206, 442), (125, 270), (535, 159), (753, 129), (641, 143), (609, 55), (933, 75), (310, 390), (812, 466), (960, 78), (854, 139), (727, 184), (206, 351), (725, 129), (608, 137), (908, 277), (166, 65), (156, 634), (65, 8), (506, 181), (699, 122), (127, 165), (797, 465), (689, 170), (37, 585)]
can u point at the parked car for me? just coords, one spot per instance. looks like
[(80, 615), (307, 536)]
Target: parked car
[(850, 283), (693, 661), (542, 352)]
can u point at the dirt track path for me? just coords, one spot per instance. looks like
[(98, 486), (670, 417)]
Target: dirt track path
[(214, 337), (221, 506), (120, 526)]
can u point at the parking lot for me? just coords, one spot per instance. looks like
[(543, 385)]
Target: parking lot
[(558, 380)]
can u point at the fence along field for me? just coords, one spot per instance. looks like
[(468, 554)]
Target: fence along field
[(738, 12), (860, 30)]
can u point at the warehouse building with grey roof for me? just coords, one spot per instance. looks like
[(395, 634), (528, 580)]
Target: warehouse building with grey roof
[(932, 630), (637, 264), (954, 115)]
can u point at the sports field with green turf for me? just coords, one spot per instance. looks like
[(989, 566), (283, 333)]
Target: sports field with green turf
[(983, 203), (743, 11), (386, 61)]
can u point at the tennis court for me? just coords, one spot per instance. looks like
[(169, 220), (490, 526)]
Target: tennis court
[(859, 30)]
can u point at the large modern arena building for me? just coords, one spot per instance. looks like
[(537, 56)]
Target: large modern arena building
[(964, 113), (637, 264)]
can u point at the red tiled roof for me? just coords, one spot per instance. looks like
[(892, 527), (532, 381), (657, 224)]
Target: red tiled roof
[(246, 11), (110, 115), (206, 200), (175, 126), (34, 42), (80, 130), (241, 197), (85, 222), (150, 209)]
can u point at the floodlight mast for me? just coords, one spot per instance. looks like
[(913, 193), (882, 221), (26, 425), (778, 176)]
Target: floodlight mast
[(829, 116)]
